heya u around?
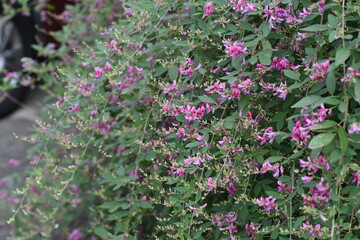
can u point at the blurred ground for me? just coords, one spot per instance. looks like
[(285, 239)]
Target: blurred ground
[(19, 123)]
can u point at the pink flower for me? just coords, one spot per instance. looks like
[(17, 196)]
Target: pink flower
[(251, 230), (208, 10), (74, 108), (306, 12), (107, 66), (320, 71), (356, 178), (173, 88), (320, 160), (350, 77), (354, 128), (98, 72), (242, 6), (14, 163), (181, 132), (306, 179), (280, 64), (267, 203), (316, 231), (75, 235), (231, 189), (211, 184), (196, 161), (187, 69), (309, 165), (234, 49)]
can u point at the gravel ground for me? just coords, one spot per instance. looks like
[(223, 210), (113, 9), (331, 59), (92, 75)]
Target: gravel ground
[(19, 123)]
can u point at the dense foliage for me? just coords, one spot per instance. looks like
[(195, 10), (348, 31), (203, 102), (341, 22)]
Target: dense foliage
[(199, 120)]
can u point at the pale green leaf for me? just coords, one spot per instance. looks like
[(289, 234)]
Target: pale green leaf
[(321, 140)]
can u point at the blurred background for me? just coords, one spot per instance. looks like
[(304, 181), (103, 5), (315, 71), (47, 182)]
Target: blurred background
[(13, 150)]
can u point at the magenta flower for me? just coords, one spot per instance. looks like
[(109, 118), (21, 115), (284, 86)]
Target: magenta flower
[(187, 69), (356, 178), (107, 66), (306, 179), (231, 189), (173, 88), (74, 108), (75, 235), (242, 6), (309, 165), (234, 49), (316, 231), (320, 71), (267, 203), (280, 64), (320, 160), (350, 77), (211, 184), (14, 163), (306, 12), (98, 72), (354, 128), (251, 230), (196, 161), (208, 10)]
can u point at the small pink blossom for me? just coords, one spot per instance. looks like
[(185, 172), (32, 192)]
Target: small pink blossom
[(356, 178), (187, 69), (208, 10), (74, 108), (320, 71), (14, 163), (267, 203), (306, 179), (75, 235), (211, 184), (251, 230), (234, 49), (98, 72), (350, 77), (354, 128), (107, 66)]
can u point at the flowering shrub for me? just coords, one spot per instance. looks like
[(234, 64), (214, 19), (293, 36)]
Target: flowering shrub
[(202, 120)]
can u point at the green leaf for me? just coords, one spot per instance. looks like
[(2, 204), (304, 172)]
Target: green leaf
[(274, 194), (274, 234), (173, 73), (306, 101), (321, 140), (298, 222), (145, 204), (324, 125), (207, 99), (357, 90), (274, 159), (193, 144), (315, 28), (265, 60), (291, 74), (331, 82), (110, 205), (333, 21), (341, 55), (246, 26), (198, 197), (101, 232), (344, 143)]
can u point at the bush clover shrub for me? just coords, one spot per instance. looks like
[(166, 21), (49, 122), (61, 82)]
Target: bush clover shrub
[(199, 120)]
